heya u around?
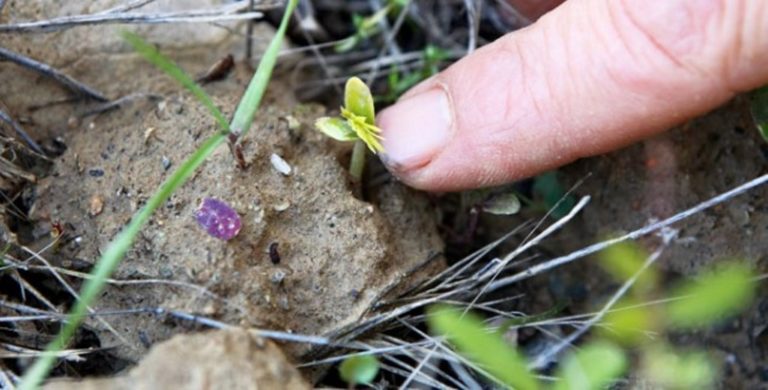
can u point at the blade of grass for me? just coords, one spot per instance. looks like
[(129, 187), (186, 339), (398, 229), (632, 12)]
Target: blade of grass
[(117, 248), (150, 53), (251, 100)]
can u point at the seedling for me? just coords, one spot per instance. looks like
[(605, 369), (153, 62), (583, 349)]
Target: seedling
[(368, 26), (356, 123)]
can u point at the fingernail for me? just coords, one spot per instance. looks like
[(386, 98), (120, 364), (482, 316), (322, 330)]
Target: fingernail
[(416, 129)]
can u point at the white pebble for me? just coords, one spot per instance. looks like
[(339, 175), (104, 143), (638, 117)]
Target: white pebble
[(279, 164)]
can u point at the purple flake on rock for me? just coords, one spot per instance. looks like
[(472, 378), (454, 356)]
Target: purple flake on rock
[(218, 219)]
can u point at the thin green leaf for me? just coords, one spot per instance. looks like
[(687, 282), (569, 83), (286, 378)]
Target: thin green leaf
[(359, 369), (358, 99), (486, 349), (711, 297), (346, 44), (251, 100), (150, 53), (593, 366), (119, 246), (336, 128), (760, 111)]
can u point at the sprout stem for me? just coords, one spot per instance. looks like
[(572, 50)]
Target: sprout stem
[(357, 164)]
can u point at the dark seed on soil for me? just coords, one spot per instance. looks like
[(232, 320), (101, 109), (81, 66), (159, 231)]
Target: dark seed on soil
[(274, 255), (96, 172), (218, 219)]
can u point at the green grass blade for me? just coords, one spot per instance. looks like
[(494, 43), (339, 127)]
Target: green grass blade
[(120, 245), (111, 258), (150, 53), (251, 100)]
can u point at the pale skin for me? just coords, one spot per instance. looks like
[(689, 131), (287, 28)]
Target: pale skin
[(588, 77)]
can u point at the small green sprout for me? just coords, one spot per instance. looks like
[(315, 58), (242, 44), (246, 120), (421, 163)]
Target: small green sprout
[(357, 123), (359, 369)]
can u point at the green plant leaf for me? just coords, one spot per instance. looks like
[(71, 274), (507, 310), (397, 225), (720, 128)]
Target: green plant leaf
[(346, 44), (502, 204), (336, 128), (669, 369), (622, 261), (359, 369), (760, 111), (628, 323), (711, 297), (485, 348), (358, 99), (593, 366), (150, 53), (251, 100)]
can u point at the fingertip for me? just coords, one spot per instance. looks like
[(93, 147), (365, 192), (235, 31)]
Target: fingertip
[(416, 129)]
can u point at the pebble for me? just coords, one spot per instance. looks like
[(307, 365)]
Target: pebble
[(280, 164), (95, 205), (166, 163), (218, 219)]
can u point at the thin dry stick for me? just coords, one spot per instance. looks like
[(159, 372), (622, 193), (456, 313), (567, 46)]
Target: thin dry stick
[(219, 14), (120, 282), (119, 102), (388, 43), (71, 290), (473, 23), (21, 132), (129, 6), (46, 70), (648, 229), (542, 360)]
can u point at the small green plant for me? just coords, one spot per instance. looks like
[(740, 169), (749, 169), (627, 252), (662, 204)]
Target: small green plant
[(368, 26), (398, 82), (693, 304), (357, 123), (359, 369), (115, 251)]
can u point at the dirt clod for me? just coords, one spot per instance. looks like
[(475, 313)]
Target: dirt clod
[(224, 359)]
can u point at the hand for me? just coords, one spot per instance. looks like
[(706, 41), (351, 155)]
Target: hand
[(588, 77)]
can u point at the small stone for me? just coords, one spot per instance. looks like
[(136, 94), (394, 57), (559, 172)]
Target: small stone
[(95, 205), (218, 219), (166, 163), (293, 123), (278, 276), (280, 164), (282, 206)]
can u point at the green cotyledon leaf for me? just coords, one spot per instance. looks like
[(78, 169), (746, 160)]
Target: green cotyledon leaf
[(336, 128), (358, 99)]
